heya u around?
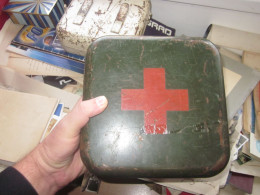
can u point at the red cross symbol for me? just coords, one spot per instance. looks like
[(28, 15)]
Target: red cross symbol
[(155, 100)]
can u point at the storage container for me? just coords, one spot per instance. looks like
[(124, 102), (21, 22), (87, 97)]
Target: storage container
[(44, 13), (86, 20), (166, 116)]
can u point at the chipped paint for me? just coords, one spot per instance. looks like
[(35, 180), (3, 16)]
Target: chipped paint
[(220, 130), (196, 143), (155, 100), (221, 163), (101, 18)]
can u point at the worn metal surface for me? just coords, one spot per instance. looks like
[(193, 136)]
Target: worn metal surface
[(167, 112), (86, 20)]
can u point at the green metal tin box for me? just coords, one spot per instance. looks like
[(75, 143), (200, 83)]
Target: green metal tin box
[(166, 116)]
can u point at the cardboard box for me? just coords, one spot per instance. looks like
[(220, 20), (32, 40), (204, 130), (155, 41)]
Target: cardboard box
[(45, 13)]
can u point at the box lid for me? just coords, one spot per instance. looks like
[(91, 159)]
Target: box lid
[(43, 7), (167, 113)]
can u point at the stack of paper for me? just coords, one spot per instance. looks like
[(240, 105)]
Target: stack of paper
[(28, 110), (27, 106), (26, 64)]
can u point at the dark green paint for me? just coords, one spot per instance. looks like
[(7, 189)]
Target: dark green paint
[(114, 144)]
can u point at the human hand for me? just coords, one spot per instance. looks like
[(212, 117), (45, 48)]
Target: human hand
[(56, 161)]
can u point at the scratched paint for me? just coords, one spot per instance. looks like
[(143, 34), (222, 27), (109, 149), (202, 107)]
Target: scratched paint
[(116, 143), (86, 20), (155, 100)]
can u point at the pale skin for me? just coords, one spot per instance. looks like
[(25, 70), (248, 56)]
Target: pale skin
[(56, 161)]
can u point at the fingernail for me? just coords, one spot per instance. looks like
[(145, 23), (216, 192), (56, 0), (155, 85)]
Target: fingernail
[(101, 100)]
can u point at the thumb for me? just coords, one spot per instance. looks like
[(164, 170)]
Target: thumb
[(80, 114)]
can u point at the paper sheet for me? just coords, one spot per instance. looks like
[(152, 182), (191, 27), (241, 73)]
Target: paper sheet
[(23, 119), (29, 66), (249, 168), (13, 80), (234, 38), (227, 52), (53, 121), (252, 60), (7, 34), (244, 80), (247, 114), (254, 145), (231, 79)]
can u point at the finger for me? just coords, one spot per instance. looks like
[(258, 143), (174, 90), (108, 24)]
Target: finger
[(79, 116)]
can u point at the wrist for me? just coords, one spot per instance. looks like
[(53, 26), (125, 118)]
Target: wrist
[(31, 168)]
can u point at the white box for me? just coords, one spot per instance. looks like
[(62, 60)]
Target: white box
[(86, 20)]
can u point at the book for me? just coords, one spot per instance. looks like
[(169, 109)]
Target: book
[(29, 66), (242, 182), (43, 44), (254, 134), (256, 94)]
